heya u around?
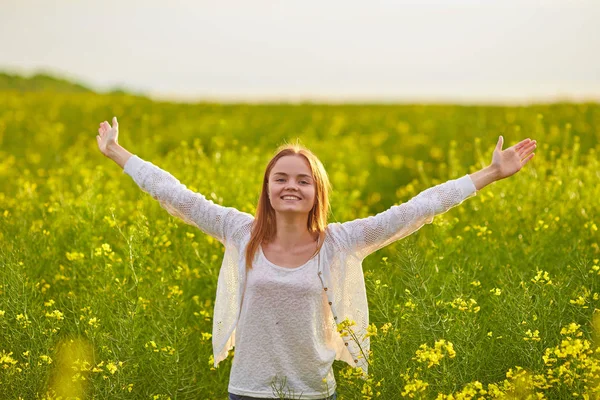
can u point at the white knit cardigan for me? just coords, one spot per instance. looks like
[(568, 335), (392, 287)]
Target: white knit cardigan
[(340, 259)]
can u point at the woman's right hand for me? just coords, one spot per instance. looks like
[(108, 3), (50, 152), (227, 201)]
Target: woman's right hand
[(107, 136)]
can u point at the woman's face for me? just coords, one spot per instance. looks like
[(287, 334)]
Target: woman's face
[(291, 175)]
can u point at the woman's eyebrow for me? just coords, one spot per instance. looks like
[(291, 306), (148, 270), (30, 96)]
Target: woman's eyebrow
[(283, 173)]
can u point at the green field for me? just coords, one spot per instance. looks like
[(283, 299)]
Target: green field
[(103, 294)]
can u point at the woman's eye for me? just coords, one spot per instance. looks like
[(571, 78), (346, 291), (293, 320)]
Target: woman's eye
[(281, 179)]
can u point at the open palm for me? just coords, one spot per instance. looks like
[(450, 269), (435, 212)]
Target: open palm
[(107, 135), (510, 161)]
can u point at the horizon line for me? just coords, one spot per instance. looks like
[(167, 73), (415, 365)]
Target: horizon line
[(278, 97)]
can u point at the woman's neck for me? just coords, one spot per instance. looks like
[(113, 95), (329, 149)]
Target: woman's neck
[(293, 240)]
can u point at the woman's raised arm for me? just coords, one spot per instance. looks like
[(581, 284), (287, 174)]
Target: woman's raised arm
[(193, 208), (366, 235)]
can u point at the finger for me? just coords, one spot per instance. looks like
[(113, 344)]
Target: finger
[(500, 143), (526, 160), (531, 145), (527, 148), (522, 143), (115, 123)]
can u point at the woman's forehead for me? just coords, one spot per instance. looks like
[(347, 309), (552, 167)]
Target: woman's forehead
[(291, 165)]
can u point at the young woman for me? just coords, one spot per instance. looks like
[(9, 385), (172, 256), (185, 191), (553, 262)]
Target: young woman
[(290, 295)]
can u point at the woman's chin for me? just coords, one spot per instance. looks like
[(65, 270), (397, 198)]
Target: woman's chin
[(291, 208)]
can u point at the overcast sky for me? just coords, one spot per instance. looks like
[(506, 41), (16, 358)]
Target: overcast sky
[(452, 50)]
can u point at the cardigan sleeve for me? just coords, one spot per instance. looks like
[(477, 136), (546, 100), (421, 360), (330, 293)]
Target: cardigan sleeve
[(367, 235), (193, 208)]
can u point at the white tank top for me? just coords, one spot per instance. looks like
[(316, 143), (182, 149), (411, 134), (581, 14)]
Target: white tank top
[(282, 342)]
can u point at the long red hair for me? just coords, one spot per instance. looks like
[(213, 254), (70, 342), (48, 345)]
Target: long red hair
[(264, 227)]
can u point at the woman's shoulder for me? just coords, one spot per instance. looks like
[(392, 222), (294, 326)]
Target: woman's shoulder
[(337, 237)]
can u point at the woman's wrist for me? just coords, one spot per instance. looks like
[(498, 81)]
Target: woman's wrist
[(484, 177), (118, 154)]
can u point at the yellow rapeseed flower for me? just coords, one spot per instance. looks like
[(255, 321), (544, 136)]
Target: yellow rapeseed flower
[(111, 367), (45, 359), (174, 291), (571, 328), (56, 314), (533, 336), (75, 256), (580, 301), (371, 330), (414, 386), (110, 221), (23, 320), (463, 305), (385, 327), (410, 305), (345, 325), (435, 354), (6, 358), (152, 344), (542, 277)]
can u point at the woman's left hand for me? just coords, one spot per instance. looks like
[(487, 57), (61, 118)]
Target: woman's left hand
[(510, 161)]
